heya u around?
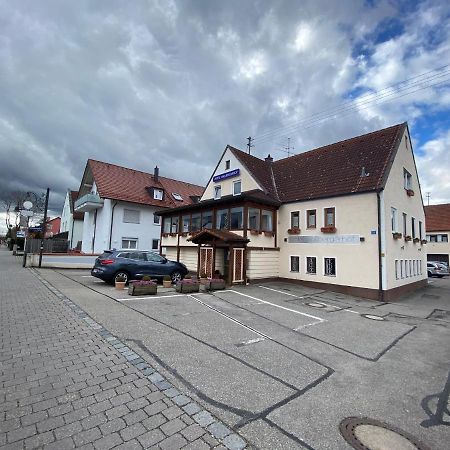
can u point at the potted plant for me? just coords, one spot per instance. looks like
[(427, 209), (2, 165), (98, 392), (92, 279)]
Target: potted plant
[(167, 281), (142, 287), (328, 229), (183, 234), (294, 230), (409, 192), (203, 277), (119, 282), (254, 232), (165, 235), (397, 235), (187, 286), (416, 240), (423, 241), (215, 284), (408, 238), (269, 233)]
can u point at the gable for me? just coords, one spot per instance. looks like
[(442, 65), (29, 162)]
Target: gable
[(248, 181)]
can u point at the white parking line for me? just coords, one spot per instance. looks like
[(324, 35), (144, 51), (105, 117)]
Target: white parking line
[(278, 306), (280, 292)]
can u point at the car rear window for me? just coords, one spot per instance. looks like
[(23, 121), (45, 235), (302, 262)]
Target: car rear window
[(106, 254)]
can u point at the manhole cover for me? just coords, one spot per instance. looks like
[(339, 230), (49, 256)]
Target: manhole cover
[(368, 434), (316, 305), (372, 317)]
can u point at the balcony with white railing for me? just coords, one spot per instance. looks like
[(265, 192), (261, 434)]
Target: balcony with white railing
[(88, 202)]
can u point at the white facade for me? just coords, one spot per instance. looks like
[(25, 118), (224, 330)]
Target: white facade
[(73, 227)]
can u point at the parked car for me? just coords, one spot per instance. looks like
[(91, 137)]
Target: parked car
[(134, 264), (437, 269)]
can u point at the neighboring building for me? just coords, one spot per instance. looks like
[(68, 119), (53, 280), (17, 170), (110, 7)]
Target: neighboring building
[(72, 221), (438, 230), (52, 227), (347, 217), (119, 206)]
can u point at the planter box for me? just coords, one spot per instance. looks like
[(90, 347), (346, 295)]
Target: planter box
[(416, 240), (269, 233), (408, 238), (167, 284), (423, 241), (215, 285), (409, 192), (294, 231), (120, 285), (187, 288), (254, 232), (397, 235), (328, 229), (142, 290)]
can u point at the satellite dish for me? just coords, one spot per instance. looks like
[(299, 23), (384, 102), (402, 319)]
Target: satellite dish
[(27, 204)]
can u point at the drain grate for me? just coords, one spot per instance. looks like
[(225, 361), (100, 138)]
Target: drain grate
[(368, 434)]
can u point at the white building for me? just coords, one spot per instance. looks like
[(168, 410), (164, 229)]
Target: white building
[(71, 221), (346, 217), (119, 206)]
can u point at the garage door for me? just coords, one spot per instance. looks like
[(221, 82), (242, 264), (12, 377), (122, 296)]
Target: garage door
[(438, 257)]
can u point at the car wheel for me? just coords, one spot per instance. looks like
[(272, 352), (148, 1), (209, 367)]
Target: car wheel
[(176, 276), (122, 274), (430, 274)]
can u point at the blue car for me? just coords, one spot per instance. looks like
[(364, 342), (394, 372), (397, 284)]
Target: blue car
[(134, 264)]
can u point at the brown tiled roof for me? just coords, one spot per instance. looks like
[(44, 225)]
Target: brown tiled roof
[(129, 185), (223, 235), (72, 199), (328, 171), (437, 217)]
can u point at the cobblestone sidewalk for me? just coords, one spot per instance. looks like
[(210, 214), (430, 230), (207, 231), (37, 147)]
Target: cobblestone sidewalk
[(66, 382)]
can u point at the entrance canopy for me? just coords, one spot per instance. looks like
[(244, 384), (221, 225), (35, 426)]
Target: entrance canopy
[(209, 237)]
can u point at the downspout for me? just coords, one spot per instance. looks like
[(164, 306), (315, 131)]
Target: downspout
[(111, 227), (380, 257)]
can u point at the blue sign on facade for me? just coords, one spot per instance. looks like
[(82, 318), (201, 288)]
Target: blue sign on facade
[(224, 176)]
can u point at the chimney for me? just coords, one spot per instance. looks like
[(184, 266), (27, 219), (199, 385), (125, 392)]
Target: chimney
[(269, 159), (156, 174)]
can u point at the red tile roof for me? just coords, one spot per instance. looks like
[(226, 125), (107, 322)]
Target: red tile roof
[(129, 185), (72, 199), (437, 217), (328, 171)]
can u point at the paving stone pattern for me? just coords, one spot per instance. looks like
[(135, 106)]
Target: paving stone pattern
[(66, 382)]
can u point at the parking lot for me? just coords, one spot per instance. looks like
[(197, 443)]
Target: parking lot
[(283, 364)]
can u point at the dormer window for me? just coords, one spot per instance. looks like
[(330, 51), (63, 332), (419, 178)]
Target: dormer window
[(158, 194), (227, 165), (177, 196), (217, 192)]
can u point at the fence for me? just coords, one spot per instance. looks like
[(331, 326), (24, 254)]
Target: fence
[(50, 245)]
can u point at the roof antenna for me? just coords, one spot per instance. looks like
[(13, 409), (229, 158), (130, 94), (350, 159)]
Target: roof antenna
[(289, 148), (428, 198), (249, 144), (364, 173)]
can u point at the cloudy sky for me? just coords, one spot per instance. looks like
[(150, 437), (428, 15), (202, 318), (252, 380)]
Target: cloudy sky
[(172, 82)]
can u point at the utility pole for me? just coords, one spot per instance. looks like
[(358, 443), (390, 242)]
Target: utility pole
[(44, 226), (288, 148), (249, 144), (428, 198)]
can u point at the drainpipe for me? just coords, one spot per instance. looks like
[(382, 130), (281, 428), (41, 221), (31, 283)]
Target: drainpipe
[(380, 258), (112, 222)]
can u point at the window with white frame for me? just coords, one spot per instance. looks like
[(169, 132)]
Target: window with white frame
[(402, 269), (330, 266), (311, 265), (295, 263), (266, 220), (396, 270), (155, 244), (131, 216), (330, 217), (217, 192), (237, 187), (420, 230), (177, 196), (295, 219), (311, 218), (157, 194), (394, 220), (404, 224), (407, 179), (413, 227), (156, 219), (420, 267), (253, 218), (131, 243), (227, 164)]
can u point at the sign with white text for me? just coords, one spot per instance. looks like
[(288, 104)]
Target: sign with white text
[(224, 176), (351, 239)]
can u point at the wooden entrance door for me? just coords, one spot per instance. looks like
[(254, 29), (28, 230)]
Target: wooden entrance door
[(206, 261), (238, 265)]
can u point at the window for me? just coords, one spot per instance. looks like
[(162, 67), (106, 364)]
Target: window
[(154, 257), (432, 238), (177, 196), (195, 222), (227, 165), (402, 269), (131, 216), (130, 243), (414, 267), (404, 224), (137, 256), (420, 267), (444, 237), (157, 194), (410, 268), (167, 224), (420, 230), (311, 218), (253, 218), (156, 219), (393, 220), (217, 192), (407, 179), (413, 227), (329, 217), (295, 219), (396, 269), (207, 219), (330, 267), (185, 223), (266, 218), (237, 218), (174, 225), (155, 244), (237, 187), (295, 263), (311, 267), (222, 219)]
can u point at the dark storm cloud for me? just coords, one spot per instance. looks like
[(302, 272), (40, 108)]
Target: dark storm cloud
[(170, 83)]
